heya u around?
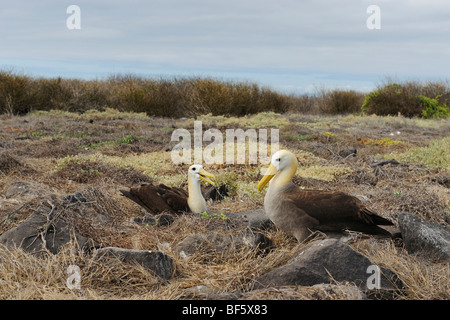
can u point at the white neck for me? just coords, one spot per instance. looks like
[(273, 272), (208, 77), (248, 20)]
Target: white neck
[(196, 202), (283, 177)]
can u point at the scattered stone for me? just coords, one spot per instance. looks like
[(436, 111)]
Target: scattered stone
[(430, 240), (74, 198), (17, 189), (164, 219), (36, 234), (158, 262), (326, 261), (328, 291), (22, 189), (158, 220), (255, 219), (150, 220), (347, 153), (222, 244)]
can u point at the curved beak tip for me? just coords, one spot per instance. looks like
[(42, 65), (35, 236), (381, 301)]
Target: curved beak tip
[(203, 174), (269, 174)]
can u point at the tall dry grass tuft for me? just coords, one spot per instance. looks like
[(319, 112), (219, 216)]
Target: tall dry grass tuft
[(24, 276), (422, 279)]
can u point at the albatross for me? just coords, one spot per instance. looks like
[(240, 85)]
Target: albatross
[(160, 198), (301, 212)]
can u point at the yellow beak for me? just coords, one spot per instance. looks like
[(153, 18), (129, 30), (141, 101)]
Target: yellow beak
[(270, 172), (203, 174)]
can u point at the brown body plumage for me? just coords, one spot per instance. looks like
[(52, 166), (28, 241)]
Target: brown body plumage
[(161, 198), (300, 212)]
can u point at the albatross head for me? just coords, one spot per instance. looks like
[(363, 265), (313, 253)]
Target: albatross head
[(196, 172), (283, 165)]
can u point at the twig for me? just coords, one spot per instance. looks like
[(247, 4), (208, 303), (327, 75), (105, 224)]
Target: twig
[(384, 162), (50, 214)]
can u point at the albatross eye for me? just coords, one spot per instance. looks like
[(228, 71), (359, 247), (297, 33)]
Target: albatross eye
[(193, 169), (279, 159)]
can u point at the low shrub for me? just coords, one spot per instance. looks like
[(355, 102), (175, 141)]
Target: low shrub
[(185, 97), (432, 108), (340, 101), (411, 99)]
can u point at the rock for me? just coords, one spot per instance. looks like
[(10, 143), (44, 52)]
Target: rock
[(164, 219), (255, 219), (328, 291), (25, 191), (158, 262), (158, 220), (74, 198), (222, 244), (146, 220), (430, 240), (17, 189), (326, 261), (30, 233), (347, 153)]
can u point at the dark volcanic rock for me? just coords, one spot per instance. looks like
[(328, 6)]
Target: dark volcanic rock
[(430, 240), (158, 262), (326, 261), (36, 234)]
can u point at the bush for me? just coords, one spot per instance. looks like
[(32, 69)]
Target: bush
[(15, 95), (156, 97), (405, 99), (341, 102), (433, 110)]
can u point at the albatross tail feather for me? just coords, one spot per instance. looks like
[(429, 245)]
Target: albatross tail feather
[(374, 219)]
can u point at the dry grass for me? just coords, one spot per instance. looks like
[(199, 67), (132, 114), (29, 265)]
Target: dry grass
[(98, 174), (423, 280), (24, 276)]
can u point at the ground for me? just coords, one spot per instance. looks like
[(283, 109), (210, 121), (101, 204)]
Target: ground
[(98, 153)]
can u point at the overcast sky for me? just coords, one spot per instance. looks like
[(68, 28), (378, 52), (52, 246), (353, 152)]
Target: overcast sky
[(291, 45)]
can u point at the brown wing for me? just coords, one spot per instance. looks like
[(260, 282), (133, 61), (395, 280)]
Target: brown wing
[(335, 209), (157, 199), (175, 197)]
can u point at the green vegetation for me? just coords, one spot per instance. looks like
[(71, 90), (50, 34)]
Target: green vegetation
[(126, 149), (433, 110), (221, 216), (435, 155), (136, 97), (411, 99)]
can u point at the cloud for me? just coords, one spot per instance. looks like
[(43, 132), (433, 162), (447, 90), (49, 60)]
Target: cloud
[(268, 41)]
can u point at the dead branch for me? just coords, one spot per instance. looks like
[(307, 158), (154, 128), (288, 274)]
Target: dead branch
[(384, 162)]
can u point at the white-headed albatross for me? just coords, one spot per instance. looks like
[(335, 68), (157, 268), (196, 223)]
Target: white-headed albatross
[(161, 198), (301, 212)]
